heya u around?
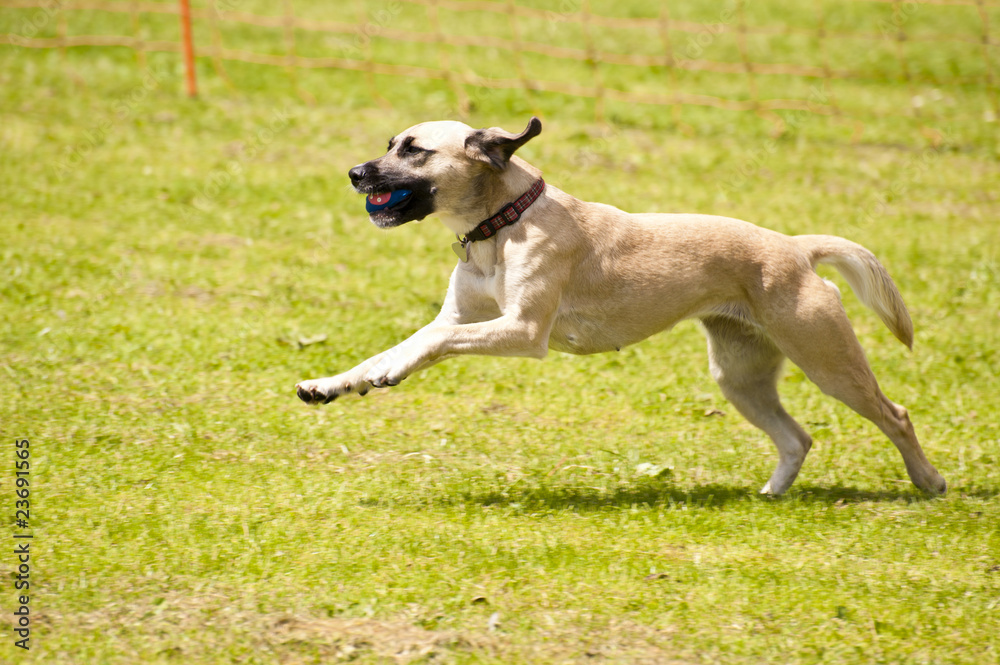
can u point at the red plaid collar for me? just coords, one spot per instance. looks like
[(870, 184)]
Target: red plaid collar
[(509, 214)]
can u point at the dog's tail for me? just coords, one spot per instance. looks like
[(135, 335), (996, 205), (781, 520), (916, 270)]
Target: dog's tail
[(868, 278)]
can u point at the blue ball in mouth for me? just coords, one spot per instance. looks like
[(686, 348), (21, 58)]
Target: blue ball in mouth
[(383, 200)]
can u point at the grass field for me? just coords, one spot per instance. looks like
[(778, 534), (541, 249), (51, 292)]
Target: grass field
[(169, 268)]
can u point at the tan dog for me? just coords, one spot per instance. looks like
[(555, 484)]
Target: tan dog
[(586, 277)]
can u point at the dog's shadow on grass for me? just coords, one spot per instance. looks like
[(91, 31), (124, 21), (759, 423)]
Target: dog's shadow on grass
[(585, 499)]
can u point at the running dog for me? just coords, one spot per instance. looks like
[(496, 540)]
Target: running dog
[(540, 269)]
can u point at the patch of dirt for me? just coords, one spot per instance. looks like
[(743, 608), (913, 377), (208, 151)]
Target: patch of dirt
[(349, 638), (189, 628)]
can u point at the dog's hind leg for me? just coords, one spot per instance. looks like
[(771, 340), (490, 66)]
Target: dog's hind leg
[(813, 331), (746, 365)]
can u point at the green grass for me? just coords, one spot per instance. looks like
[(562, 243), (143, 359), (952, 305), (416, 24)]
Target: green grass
[(188, 508)]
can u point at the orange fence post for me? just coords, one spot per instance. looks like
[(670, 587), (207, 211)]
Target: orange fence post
[(188, 46)]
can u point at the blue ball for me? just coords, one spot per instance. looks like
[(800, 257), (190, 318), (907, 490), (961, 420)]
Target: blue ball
[(385, 200)]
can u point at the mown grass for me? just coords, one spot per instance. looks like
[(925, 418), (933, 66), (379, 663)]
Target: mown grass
[(188, 508)]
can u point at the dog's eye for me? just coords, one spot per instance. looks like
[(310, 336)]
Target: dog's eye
[(410, 149)]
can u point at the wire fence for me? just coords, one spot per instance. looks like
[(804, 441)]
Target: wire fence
[(856, 59)]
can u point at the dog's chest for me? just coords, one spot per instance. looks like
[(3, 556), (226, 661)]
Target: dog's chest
[(480, 289), (580, 327)]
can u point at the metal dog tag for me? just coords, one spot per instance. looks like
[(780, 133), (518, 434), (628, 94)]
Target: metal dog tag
[(461, 250)]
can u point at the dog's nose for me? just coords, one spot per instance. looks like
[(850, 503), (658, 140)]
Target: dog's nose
[(358, 173)]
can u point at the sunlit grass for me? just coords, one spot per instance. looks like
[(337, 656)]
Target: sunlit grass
[(191, 509)]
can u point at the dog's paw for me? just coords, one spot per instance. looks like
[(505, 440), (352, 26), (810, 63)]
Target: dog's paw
[(324, 391), (382, 381), (931, 482)]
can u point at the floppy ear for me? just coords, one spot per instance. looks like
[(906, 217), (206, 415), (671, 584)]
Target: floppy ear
[(495, 146)]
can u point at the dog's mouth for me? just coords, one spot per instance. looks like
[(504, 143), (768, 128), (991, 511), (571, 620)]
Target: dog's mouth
[(390, 206)]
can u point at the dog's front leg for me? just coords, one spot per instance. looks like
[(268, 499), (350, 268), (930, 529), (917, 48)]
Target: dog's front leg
[(508, 335), (464, 304), (368, 374), (504, 336)]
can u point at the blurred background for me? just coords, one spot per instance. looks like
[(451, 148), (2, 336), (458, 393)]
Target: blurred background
[(857, 69)]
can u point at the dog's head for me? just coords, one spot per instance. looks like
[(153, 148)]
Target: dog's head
[(447, 167)]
